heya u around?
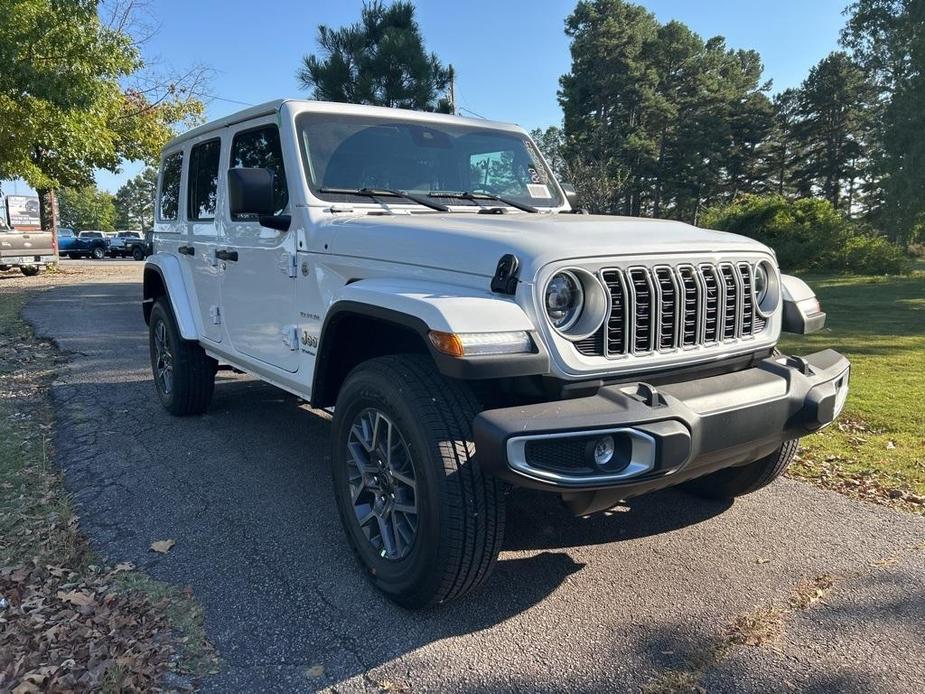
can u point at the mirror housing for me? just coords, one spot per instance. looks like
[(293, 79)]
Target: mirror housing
[(250, 191), (802, 314), (571, 194)]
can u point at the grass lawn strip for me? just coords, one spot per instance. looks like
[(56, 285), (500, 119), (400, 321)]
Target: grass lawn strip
[(876, 451)]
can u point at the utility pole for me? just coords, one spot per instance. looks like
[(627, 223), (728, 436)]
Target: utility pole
[(452, 90)]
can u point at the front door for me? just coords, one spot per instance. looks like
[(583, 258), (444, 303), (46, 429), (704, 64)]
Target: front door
[(258, 275)]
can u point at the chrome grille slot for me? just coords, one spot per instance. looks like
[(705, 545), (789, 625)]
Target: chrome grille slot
[(663, 308), (710, 303), (645, 310), (667, 289), (748, 301), (615, 344), (730, 301), (690, 306)]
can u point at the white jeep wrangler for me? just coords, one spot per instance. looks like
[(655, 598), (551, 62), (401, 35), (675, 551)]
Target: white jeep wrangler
[(425, 275)]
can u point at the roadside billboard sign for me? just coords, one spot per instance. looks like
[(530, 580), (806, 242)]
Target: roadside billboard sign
[(22, 212)]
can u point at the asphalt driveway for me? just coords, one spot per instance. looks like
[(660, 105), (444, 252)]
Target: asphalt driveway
[(608, 603)]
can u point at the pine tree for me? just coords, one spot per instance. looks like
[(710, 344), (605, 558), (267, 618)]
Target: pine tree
[(379, 60)]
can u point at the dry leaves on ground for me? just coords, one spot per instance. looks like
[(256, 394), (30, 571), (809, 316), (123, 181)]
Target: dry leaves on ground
[(61, 632)]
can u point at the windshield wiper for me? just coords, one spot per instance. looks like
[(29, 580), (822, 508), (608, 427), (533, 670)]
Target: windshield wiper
[(475, 197), (381, 192)]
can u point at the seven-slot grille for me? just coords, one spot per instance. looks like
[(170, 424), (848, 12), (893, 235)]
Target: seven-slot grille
[(664, 308)]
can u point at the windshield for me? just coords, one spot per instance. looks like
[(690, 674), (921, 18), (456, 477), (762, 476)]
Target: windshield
[(344, 153)]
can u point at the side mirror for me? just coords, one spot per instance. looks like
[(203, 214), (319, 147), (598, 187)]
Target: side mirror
[(571, 195), (250, 191)]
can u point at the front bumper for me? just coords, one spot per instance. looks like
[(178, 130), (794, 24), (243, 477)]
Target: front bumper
[(662, 436)]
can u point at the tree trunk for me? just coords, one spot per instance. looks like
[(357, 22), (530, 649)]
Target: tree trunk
[(48, 209)]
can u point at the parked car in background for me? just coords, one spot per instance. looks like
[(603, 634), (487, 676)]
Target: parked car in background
[(86, 244), (122, 244), (30, 251)]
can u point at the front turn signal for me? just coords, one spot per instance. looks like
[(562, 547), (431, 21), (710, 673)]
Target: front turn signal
[(481, 344)]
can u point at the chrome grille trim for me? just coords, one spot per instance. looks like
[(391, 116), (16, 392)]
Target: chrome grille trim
[(667, 308)]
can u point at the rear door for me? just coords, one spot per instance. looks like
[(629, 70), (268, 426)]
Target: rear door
[(203, 230), (259, 285)]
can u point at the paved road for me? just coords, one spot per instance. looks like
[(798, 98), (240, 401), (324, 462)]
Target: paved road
[(609, 603)]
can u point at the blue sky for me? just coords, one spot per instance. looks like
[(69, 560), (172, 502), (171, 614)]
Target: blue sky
[(508, 54)]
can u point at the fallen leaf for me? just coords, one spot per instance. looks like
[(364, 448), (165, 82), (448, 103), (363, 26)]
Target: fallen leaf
[(123, 566), (75, 597), (163, 546), (315, 671), (760, 560), (890, 445)]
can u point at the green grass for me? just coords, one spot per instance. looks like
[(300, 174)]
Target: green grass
[(879, 324)]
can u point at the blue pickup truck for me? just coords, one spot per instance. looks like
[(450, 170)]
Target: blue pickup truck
[(86, 244)]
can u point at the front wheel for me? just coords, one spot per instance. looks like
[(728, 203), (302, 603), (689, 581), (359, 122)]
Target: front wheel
[(422, 517), (745, 479), (184, 375), (98, 253)]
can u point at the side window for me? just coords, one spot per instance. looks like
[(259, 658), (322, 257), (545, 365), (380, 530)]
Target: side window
[(170, 186), (260, 149), (202, 185)]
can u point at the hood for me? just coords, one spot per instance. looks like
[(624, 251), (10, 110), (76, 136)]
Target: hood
[(473, 243)]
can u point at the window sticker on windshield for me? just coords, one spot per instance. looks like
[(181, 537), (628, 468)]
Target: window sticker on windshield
[(538, 190), (534, 176)]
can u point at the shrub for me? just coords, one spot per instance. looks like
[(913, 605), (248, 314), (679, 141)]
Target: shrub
[(807, 234)]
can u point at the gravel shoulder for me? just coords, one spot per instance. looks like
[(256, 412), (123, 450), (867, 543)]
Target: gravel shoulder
[(615, 602)]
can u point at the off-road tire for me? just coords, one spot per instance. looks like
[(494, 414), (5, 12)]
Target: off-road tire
[(193, 371), (745, 479), (98, 253), (460, 525), (30, 270)]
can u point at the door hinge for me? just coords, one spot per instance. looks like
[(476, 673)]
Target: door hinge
[(215, 314), (290, 335), (289, 264)]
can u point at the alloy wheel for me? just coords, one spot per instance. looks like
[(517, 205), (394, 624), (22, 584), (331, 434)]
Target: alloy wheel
[(382, 485), (163, 358)]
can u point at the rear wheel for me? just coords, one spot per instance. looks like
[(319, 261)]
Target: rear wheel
[(98, 253), (421, 516), (30, 270), (184, 375), (138, 253)]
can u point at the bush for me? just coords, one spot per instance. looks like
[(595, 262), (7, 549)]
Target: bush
[(807, 234)]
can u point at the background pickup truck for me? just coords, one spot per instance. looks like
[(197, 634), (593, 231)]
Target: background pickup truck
[(30, 251), (86, 244), (127, 243)]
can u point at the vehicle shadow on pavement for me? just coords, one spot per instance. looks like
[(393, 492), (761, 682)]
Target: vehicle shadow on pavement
[(538, 520)]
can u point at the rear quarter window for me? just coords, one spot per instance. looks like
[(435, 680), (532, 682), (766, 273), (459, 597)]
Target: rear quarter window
[(169, 198)]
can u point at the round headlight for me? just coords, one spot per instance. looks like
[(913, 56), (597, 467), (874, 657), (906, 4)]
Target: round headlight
[(766, 288), (761, 283), (564, 300)]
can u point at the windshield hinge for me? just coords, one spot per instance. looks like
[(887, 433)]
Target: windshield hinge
[(505, 278)]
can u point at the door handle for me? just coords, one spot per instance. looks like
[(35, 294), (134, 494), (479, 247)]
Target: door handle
[(187, 250), (226, 254)]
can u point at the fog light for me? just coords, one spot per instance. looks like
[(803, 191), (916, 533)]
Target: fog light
[(603, 451)]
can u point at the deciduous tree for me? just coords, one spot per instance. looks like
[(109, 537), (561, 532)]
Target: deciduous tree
[(86, 208), (76, 94)]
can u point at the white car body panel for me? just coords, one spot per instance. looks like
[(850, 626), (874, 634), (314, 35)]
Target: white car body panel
[(401, 256)]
